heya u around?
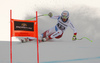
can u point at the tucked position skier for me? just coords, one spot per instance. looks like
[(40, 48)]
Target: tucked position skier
[(57, 31)]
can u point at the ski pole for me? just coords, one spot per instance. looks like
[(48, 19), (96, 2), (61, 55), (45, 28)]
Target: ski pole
[(85, 38), (38, 16)]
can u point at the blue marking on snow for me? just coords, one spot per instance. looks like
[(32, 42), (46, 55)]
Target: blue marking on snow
[(71, 60)]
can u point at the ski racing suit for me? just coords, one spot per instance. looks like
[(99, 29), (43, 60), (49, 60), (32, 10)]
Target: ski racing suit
[(58, 30)]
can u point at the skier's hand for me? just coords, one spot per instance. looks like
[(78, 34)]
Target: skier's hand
[(50, 14), (74, 38)]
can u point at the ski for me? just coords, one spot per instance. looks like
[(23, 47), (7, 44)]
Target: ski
[(29, 40)]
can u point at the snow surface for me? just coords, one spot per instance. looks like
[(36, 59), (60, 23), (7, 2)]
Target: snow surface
[(51, 52), (84, 14)]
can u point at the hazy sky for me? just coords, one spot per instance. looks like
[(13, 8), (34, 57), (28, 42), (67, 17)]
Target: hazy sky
[(80, 10)]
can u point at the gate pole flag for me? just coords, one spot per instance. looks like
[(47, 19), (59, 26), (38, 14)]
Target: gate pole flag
[(23, 28)]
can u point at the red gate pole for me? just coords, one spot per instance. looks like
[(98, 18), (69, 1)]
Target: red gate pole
[(37, 39), (10, 36)]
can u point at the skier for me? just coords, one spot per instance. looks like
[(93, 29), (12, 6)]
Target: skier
[(57, 31)]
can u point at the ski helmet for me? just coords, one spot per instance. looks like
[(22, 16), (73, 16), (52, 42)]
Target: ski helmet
[(65, 14)]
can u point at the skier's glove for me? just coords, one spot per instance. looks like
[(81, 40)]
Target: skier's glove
[(50, 14), (74, 38)]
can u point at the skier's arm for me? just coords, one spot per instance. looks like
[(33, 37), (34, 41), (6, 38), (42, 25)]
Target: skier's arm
[(74, 31), (51, 16)]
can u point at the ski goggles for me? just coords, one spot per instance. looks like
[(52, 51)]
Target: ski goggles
[(65, 17)]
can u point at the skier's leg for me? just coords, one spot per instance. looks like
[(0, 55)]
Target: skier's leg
[(48, 32), (44, 35), (57, 35)]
